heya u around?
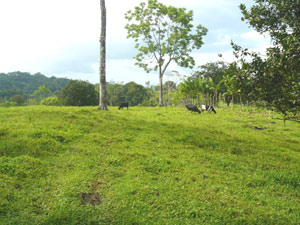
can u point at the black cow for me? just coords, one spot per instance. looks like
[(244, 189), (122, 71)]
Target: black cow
[(193, 108), (123, 104)]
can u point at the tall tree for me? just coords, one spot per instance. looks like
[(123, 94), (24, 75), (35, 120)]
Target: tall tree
[(163, 34), (102, 71)]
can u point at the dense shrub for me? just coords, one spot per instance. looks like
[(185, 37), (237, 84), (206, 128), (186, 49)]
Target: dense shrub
[(18, 99), (7, 104), (79, 93), (55, 101)]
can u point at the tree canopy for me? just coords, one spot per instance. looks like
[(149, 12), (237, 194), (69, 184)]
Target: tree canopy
[(163, 34), (278, 75), (131, 92)]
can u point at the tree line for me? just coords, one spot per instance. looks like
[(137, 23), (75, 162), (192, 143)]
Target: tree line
[(21, 88)]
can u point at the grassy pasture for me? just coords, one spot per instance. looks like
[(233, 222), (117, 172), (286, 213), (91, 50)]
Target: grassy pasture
[(77, 165)]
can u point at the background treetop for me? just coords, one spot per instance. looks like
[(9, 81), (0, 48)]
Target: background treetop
[(162, 34)]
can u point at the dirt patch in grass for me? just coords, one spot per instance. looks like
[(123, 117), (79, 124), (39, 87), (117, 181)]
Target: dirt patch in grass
[(89, 198), (92, 197), (254, 127)]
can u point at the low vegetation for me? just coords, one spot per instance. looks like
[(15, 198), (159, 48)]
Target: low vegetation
[(78, 165)]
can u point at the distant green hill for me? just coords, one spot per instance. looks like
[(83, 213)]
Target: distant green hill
[(22, 83)]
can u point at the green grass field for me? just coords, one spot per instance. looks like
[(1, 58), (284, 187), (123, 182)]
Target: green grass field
[(77, 165)]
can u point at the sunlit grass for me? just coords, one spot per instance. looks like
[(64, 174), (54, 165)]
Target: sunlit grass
[(77, 165)]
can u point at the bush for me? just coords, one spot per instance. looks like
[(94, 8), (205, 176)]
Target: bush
[(54, 101), (8, 104), (18, 99), (79, 93)]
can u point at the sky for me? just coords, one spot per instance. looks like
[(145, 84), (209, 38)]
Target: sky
[(61, 37)]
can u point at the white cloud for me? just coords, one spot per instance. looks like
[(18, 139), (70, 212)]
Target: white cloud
[(203, 58), (223, 40), (125, 70), (254, 35), (262, 41)]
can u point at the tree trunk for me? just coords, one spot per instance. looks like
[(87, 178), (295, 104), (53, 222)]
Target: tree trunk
[(247, 105), (232, 100), (102, 72), (227, 101), (241, 101), (169, 100), (160, 90)]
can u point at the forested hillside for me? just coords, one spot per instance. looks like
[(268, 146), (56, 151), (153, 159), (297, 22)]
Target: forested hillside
[(22, 83)]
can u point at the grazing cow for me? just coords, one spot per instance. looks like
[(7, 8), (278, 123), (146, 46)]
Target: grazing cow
[(123, 104), (211, 109), (193, 108), (208, 108)]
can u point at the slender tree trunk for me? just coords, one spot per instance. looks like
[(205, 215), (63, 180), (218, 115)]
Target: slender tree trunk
[(169, 100), (160, 90), (227, 101), (102, 71), (241, 101), (232, 100), (247, 105)]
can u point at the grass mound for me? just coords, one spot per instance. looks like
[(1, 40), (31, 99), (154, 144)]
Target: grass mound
[(78, 165), (22, 167)]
